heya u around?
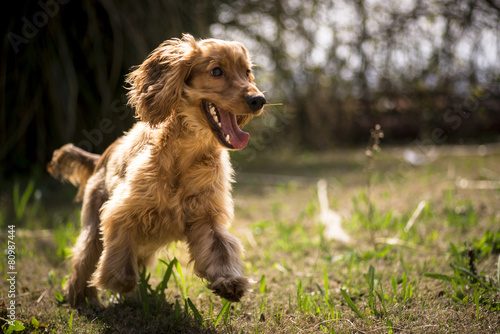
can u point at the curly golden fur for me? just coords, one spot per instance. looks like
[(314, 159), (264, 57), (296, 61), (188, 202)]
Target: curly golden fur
[(169, 178)]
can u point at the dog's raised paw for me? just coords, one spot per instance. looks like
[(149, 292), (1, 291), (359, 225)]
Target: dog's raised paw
[(230, 288)]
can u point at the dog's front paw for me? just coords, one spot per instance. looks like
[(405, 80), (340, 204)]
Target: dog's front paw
[(86, 296), (121, 281), (231, 288)]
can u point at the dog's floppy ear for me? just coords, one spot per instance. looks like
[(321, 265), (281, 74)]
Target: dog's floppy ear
[(156, 85)]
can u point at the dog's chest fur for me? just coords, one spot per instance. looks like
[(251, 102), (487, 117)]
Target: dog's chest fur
[(170, 192)]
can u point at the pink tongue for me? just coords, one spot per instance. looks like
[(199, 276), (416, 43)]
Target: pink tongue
[(239, 138)]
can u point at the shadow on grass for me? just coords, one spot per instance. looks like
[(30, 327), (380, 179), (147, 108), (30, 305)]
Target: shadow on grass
[(129, 316), (150, 310)]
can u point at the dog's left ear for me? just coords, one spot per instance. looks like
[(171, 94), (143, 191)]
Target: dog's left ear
[(156, 85)]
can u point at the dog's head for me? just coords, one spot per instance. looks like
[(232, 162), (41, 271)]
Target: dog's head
[(208, 84)]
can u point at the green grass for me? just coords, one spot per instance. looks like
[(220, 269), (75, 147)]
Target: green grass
[(439, 274)]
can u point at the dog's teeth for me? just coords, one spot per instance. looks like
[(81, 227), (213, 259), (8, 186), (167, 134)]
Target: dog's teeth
[(219, 124), (216, 119), (228, 139)]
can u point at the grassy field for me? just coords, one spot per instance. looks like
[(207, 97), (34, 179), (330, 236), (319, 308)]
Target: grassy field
[(423, 256)]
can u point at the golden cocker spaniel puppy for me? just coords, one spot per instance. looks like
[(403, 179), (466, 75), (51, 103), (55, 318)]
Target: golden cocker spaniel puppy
[(169, 178)]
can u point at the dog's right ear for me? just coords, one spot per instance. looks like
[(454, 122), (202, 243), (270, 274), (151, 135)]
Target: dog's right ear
[(156, 85)]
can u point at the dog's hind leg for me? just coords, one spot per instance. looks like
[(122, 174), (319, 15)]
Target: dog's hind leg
[(88, 248), (217, 258), (117, 268)]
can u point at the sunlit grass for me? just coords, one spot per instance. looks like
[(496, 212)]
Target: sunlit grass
[(437, 274)]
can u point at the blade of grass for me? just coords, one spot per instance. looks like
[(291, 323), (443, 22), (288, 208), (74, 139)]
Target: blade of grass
[(394, 285), (20, 202), (498, 271), (351, 304), (405, 285), (299, 296), (325, 279), (166, 277), (371, 286), (223, 311), (476, 301), (182, 285), (262, 287), (177, 310), (196, 313)]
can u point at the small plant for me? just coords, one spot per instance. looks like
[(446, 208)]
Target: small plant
[(157, 296), (330, 308), (60, 298), (16, 326), (21, 200), (30, 326), (406, 288), (370, 279), (465, 277), (373, 311)]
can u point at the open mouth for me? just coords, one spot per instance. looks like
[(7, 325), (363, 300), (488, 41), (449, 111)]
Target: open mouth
[(225, 126)]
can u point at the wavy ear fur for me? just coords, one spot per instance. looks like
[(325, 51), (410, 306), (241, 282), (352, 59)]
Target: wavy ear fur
[(156, 85)]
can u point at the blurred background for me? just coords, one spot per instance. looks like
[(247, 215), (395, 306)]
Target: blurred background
[(426, 71)]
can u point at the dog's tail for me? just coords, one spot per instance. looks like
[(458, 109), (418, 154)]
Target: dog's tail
[(70, 163)]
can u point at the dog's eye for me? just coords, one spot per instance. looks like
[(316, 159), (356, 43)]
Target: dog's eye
[(216, 72), (248, 73)]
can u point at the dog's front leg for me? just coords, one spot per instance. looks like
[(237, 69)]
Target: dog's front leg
[(117, 267), (217, 258)]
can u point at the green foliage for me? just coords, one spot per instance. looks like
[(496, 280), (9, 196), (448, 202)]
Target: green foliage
[(488, 245), (21, 199), (60, 298), (64, 239), (16, 326), (304, 283), (465, 278)]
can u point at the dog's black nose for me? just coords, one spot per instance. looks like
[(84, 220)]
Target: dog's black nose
[(256, 102)]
